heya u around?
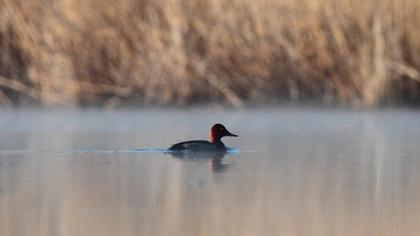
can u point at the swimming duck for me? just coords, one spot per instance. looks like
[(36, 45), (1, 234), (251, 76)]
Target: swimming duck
[(217, 132)]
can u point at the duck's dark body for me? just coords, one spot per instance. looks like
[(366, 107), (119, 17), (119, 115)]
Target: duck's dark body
[(197, 145)]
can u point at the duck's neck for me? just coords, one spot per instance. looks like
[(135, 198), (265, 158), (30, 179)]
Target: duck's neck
[(216, 141)]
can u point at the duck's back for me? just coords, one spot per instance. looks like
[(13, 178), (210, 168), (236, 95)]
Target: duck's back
[(195, 145)]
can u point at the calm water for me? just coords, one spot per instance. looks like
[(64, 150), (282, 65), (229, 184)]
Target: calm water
[(298, 172)]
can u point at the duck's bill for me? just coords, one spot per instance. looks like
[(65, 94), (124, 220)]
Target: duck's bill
[(232, 135)]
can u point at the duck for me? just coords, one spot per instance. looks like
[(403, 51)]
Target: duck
[(217, 132)]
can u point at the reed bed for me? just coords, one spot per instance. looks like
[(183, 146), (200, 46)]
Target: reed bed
[(180, 52)]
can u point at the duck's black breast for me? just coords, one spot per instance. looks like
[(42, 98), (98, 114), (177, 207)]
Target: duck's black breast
[(196, 145)]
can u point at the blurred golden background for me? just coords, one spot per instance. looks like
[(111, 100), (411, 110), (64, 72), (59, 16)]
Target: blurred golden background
[(236, 52)]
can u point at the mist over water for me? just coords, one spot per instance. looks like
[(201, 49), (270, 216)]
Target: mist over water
[(295, 172)]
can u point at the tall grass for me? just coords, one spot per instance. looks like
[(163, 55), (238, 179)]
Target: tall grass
[(355, 52)]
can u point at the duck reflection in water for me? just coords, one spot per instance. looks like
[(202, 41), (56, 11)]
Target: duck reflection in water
[(215, 159)]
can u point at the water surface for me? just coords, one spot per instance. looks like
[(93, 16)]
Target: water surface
[(298, 172)]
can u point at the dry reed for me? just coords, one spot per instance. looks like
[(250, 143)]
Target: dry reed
[(356, 52)]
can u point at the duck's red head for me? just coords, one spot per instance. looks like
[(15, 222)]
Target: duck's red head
[(218, 131)]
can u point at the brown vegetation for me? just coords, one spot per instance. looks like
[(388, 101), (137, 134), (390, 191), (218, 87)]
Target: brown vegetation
[(357, 52)]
